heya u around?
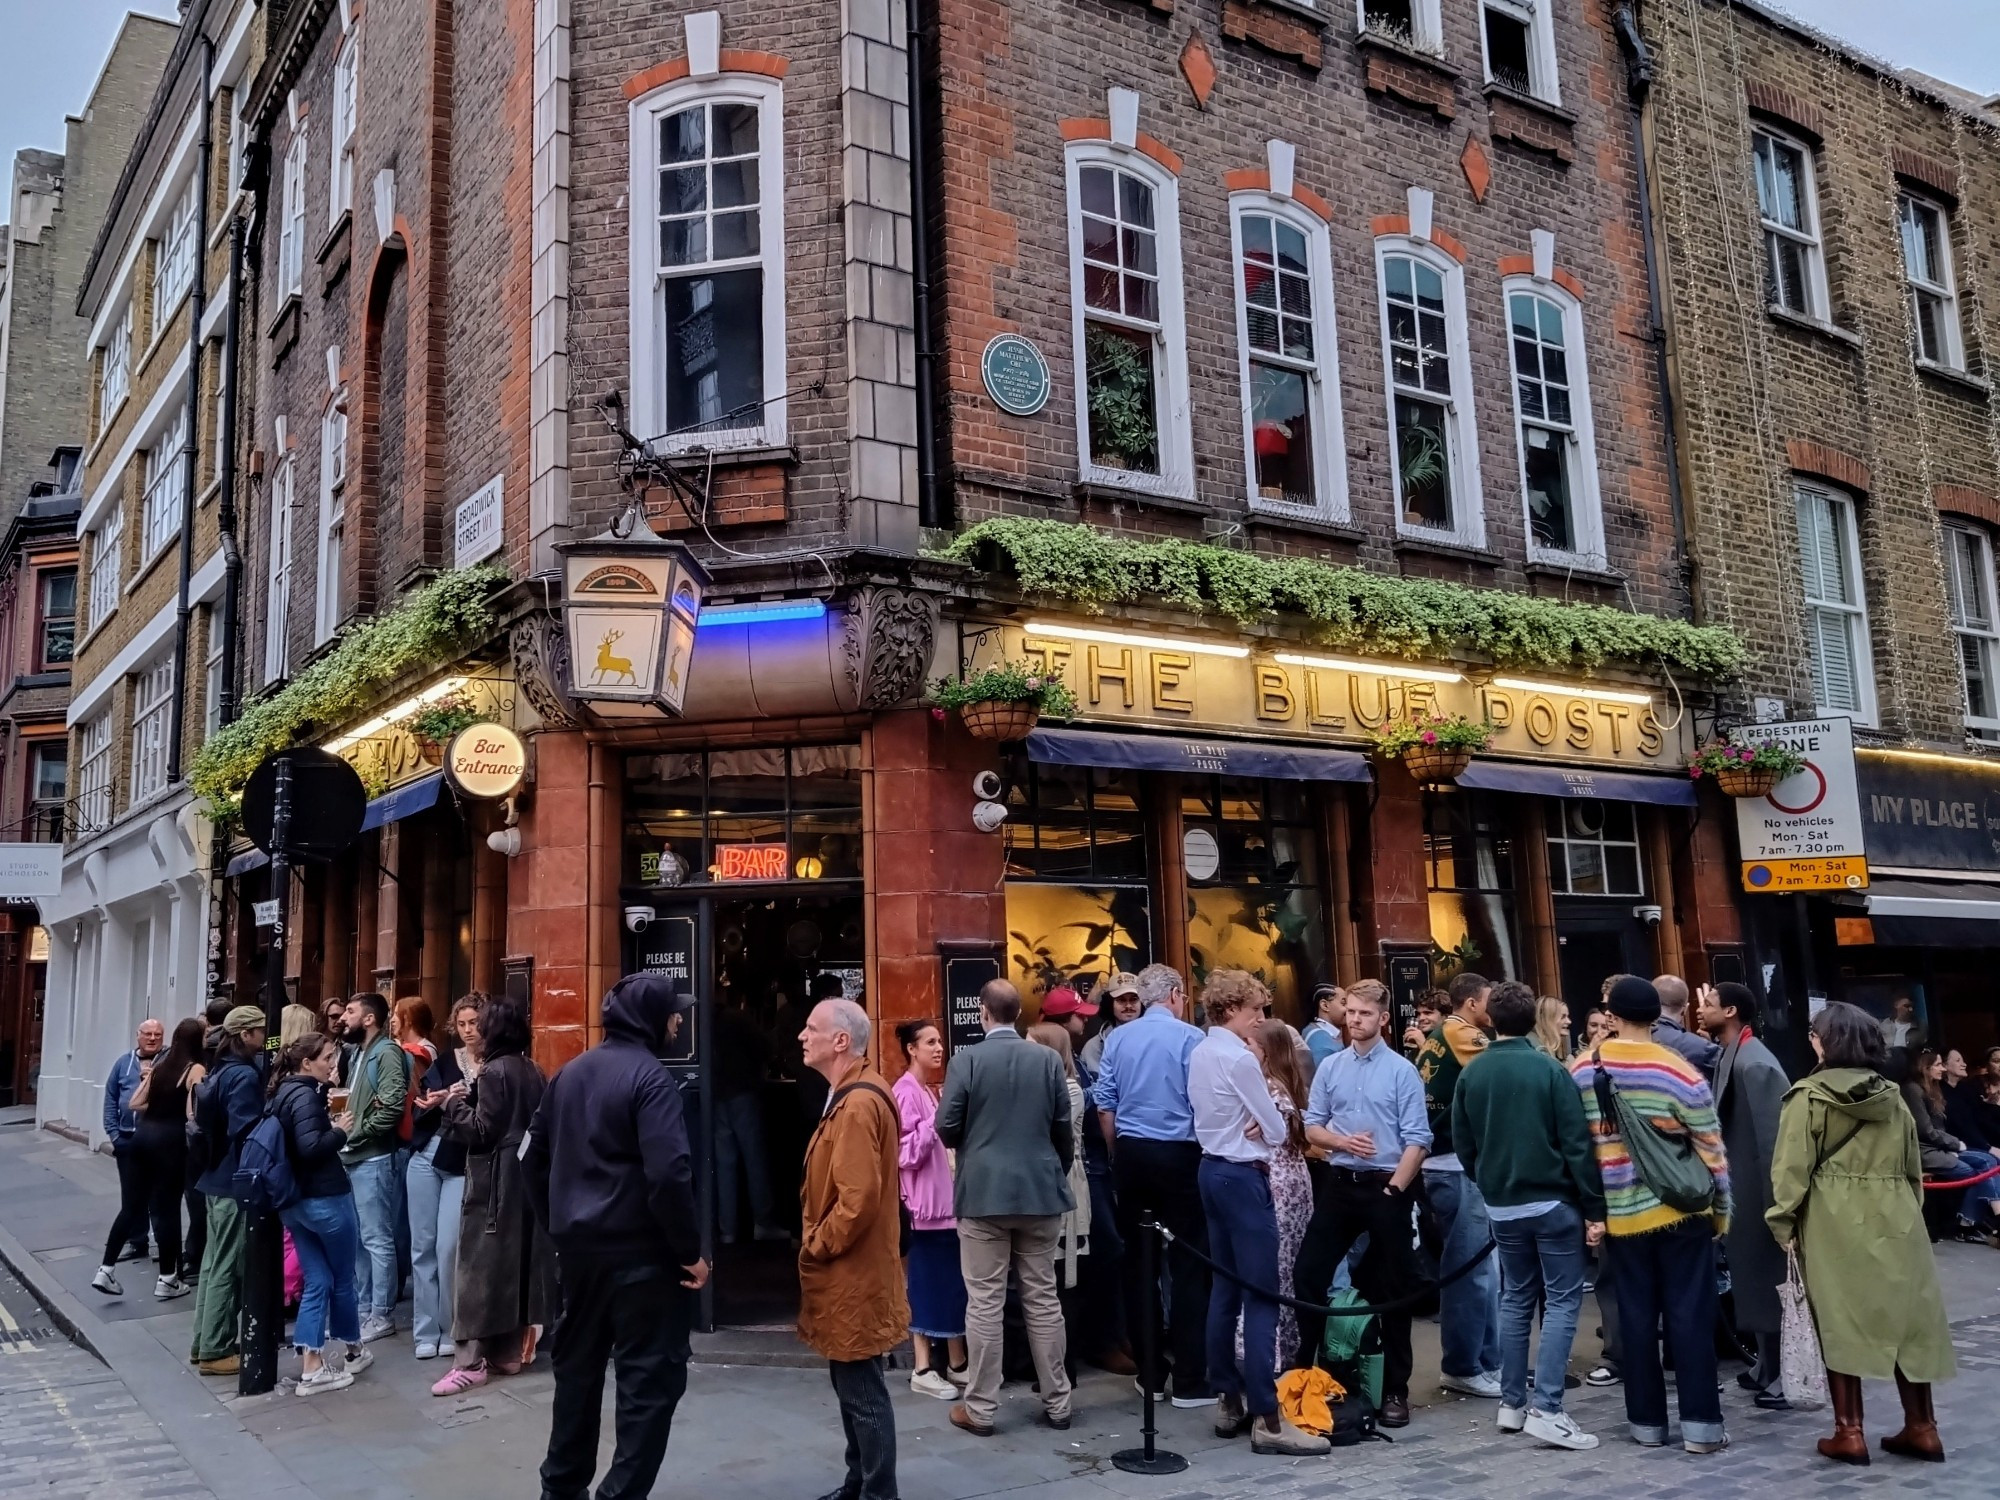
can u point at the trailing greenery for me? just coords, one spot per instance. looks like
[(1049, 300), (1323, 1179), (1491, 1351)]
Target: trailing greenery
[(437, 722), (1718, 756), (1409, 617), (1431, 731), (435, 625), (1010, 682)]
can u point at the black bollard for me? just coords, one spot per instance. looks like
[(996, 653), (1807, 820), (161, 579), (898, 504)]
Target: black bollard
[(1149, 1459)]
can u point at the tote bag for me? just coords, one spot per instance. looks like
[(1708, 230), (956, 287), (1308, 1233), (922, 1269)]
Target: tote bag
[(1800, 1369)]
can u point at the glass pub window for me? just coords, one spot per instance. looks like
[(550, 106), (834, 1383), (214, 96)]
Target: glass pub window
[(1469, 852), (1121, 327), (1420, 377), (712, 267), (1261, 908), (1284, 366), (1593, 848), (1077, 884), (1548, 425), (805, 801)]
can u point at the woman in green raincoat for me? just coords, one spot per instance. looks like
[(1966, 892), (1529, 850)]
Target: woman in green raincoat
[(1847, 1193)]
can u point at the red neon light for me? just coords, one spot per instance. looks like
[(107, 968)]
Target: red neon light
[(750, 861)]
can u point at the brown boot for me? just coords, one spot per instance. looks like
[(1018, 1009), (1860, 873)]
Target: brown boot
[(1849, 1444), (1919, 1437)]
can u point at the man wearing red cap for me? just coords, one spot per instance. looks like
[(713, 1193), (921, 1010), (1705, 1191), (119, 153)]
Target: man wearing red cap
[(1070, 1011)]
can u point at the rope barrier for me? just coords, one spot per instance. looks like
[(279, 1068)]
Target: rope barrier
[(1324, 1310), (1952, 1184)]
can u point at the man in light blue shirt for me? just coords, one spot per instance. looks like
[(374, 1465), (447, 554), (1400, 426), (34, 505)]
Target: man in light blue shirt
[(1324, 1036), (1142, 1101), (1367, 1108)]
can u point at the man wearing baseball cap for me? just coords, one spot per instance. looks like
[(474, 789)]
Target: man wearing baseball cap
[(227, 1104), (1069, 1010)]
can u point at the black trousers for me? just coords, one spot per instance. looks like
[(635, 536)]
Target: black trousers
[(1347, 1205), (870, 1424), (140, 1186), (636, 1317), (1158, 1180)]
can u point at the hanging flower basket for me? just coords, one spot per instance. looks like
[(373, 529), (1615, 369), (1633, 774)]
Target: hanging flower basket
[(432, 751), (1433, 765), (997, 719), (1743, 770), (1740, 781)]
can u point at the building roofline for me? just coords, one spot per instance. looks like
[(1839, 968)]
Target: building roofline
[(1933, 90)]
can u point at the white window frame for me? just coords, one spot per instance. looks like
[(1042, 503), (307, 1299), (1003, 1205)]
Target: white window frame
[(174, 259), (1330, 502), (152, 726), (1972, 637), (1847, 532), (648, 283), (93, 775), (211, 678), (346, 116), (1543, 82), (1173, 419), (1945, 293), (278, 595), (1809, 236), (115, 382), (292, 219), (166, 488), (107, 567), (1467, 506), (1426, 26), (332, 516), (1586, 500)]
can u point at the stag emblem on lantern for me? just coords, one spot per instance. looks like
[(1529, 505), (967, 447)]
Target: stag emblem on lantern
[(611, 668)]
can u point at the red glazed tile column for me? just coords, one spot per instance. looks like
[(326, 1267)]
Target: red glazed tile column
[(1395, 896), (548, 911)]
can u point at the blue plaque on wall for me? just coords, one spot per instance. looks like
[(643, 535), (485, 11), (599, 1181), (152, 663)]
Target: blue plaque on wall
[(1016, 375)]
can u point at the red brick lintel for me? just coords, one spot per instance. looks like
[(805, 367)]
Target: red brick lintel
[(1099, 129), (1963, 500), (1822, 462), (674, 69), (1258, 180), (1444, 239), (1524, 265)]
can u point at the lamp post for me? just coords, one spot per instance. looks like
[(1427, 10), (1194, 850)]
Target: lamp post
[(630, 601)]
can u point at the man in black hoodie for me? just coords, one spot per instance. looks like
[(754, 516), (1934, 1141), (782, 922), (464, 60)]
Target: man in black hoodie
[(610, 1175)]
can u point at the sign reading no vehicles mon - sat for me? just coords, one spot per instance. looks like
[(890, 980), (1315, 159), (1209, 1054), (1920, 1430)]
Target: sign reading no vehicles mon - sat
[(1806, 833)]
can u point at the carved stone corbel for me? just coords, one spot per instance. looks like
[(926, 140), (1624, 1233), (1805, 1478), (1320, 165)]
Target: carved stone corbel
[(541, 668), (888, 637)]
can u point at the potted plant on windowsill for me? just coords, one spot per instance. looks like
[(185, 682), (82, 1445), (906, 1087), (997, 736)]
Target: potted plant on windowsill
[(1745, 770), (1003, 702), (1433, 747), (433, 725)]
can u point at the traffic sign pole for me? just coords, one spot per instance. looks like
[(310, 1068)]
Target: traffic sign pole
[(264, 1258)]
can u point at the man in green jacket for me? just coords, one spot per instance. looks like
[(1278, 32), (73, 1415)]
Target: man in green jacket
[(1519, 1126), (374, 1121)]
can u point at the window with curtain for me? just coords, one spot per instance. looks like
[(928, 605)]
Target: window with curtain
[(1836, 617)]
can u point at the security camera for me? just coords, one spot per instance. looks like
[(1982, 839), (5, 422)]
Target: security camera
[(988, 816), (505, 841), (638, 918), (1650, 915), (987, 786)]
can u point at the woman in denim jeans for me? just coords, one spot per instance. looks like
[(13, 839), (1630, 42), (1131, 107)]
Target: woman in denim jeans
[(325, 1231), (435, 1186)]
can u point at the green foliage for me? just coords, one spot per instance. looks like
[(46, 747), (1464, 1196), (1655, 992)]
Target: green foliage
[(1720, 755), (1408, 617), (439, 721), (430, 628), (1431, 731), (1124, 429), (1010, 682)]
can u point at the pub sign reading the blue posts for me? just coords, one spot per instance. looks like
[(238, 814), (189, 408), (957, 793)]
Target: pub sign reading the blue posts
[(1016, 375)]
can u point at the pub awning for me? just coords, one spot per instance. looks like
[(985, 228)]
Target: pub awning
[(1578, 781), (1934, 913), (1152, 752), (410, 798), (244, 863)]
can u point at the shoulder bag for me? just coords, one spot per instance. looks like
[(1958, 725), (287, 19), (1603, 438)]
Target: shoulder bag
[(905, 1225), (1667, 1164), (1801, 1367)]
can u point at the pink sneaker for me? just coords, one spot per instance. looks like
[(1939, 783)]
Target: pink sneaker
[(460, 1380)]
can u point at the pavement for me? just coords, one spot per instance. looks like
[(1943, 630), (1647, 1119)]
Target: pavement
[(97, 1400)]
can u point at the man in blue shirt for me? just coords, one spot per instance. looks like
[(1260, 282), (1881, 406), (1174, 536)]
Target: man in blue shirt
[(1324, 1036), (1141, 1095), (1367, 1108), (121, 1129)]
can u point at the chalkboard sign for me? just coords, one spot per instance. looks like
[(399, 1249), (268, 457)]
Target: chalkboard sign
[(965, 974), (1409, 976), (666, 948)]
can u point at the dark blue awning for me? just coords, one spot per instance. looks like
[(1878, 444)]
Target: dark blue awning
[(412, 797), (244, 863), (1148, 752), (1578, 781)]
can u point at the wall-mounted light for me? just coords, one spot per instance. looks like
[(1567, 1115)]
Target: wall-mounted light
[(1369, 668), (631, 600), (1571, 690), (396, 715), (762, 613), (1125, 638)]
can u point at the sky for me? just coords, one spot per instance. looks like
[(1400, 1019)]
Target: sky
[(51, 50)]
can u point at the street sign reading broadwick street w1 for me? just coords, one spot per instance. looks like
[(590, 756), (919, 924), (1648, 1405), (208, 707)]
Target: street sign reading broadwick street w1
[(1805, 834)]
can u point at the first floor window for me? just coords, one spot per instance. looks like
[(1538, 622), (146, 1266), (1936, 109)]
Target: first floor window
[(107, 561), (1836, 613), (278, 600), (292, 223), (1121, 295), (1788, 206), (93, 781), (48, 787), (1926, 234), (152, 715), (211, 684), (1423, 334), (332, 519), (166, 488), (1552, 408), (1286, 306), (57, 607), (1976, 621), (115, 379)]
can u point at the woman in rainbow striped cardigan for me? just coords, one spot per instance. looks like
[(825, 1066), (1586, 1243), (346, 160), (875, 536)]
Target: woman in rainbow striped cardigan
[(1665, 1258)]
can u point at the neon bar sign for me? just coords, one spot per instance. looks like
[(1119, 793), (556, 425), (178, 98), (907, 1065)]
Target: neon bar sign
[(751, 862)]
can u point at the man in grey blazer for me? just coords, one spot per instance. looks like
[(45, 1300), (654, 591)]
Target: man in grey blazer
[(1005, 1111)]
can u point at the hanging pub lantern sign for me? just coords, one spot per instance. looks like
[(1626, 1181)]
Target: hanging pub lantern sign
[(631, 598)]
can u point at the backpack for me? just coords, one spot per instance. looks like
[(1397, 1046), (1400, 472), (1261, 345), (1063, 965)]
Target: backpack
[(208, 1129), (1351, 1352), (264, 1183), (1354, 1422)]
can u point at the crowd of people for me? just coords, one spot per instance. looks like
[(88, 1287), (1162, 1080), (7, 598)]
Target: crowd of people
[(997, 1207)]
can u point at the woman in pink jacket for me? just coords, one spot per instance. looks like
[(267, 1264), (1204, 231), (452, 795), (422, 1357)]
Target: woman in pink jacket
[(937, 1291)]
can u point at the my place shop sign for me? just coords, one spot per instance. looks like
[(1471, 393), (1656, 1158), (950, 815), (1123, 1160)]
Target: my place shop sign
[(1930, 814)]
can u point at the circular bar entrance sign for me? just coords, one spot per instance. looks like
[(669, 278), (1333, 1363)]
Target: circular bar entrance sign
[(1016, 375)]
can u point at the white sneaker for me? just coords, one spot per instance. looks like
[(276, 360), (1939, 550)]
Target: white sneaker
[(1481, 1384), (1513, 1418), (106, 1283), (446, 1348), (166, 1288), (325, 1378), (1602, 1375), (1195, 1403), (359, 1358), (1559, 1430), (930, 1383), (427, 1351), (374, 1327)]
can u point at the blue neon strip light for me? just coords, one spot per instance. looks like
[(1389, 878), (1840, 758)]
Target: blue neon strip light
[(762, 614)]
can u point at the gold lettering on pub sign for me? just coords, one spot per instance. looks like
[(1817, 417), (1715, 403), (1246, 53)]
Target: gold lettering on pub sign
[(1170, 687), (1097, 673)]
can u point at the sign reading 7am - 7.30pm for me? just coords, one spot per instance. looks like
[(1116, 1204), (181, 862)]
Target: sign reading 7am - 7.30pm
[(1805, 833)]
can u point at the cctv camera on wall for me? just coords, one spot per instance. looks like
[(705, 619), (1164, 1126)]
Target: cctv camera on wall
[(1650, 915), (638, 918)]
